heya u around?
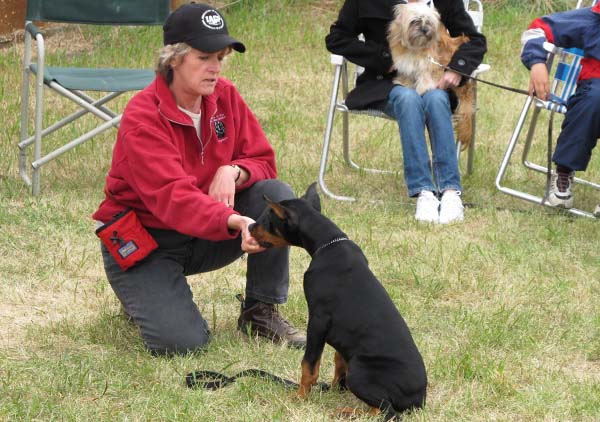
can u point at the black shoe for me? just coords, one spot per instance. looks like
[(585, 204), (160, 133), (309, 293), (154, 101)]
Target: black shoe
[(263, 319)]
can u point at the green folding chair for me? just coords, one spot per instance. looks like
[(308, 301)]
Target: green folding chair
[(74, 82)]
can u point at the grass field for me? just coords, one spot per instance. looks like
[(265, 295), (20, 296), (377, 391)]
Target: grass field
[(504, 307)]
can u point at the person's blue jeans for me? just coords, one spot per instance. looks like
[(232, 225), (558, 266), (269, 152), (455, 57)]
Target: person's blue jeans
[(414, 113)]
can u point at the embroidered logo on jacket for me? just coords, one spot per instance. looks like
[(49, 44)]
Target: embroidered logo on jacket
[(218, 123), (219, 129)]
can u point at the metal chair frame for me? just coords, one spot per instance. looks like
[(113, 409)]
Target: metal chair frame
[(341, 83), (72, 83)]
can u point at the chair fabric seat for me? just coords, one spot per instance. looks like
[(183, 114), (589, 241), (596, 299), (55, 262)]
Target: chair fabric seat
[(88, 79), (373, 112)]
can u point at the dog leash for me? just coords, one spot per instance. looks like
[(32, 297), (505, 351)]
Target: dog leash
[(212, 380), (553, 98), (507, 88)]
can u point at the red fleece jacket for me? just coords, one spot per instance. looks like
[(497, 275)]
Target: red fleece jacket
[(162, 169)]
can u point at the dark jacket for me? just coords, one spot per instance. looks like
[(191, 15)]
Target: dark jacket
[(371, 18)]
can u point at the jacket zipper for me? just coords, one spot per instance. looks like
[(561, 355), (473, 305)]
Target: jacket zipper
[(202, 145), (209, 136)]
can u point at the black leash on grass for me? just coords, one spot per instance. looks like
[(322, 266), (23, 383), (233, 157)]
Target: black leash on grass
[(212, 380)]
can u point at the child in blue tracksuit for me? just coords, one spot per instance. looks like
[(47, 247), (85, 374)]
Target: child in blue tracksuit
[(579, 28)]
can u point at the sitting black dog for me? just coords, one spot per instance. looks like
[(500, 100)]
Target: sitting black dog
[(348, 308)]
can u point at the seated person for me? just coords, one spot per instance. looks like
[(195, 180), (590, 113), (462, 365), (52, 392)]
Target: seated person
[(375, 89), (192, 162), (581, 127)]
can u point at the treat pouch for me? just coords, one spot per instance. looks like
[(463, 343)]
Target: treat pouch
[(126, 239)]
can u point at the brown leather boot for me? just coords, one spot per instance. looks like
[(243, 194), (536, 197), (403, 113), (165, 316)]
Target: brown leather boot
[(263, 319)]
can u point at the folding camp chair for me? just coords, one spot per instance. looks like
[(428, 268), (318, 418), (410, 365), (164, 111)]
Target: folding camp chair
[(73, 82), (564, 75), (341, 77)]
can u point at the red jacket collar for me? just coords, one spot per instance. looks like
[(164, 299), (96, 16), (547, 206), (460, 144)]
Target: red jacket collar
[(168, 106)]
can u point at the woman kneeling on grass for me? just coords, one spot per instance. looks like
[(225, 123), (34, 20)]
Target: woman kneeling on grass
[(189, 170)]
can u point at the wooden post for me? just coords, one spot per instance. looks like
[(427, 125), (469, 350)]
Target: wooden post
[(12, 16)]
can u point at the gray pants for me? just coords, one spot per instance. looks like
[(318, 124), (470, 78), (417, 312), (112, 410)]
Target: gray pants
[(155, 292)]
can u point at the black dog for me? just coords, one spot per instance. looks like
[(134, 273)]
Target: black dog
[(348, 308)]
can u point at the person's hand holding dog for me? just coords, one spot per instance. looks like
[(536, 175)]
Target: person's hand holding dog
[(449, 80), (241, 223)]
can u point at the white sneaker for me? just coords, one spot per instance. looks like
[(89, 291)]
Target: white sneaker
[(451, 207), (560, 193), (427, 207)]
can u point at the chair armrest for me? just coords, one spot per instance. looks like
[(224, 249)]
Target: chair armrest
[(32, 29), (550, 48), (337, 60), (481, 69)]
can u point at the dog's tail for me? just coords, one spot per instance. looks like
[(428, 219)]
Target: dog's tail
[(464, 117)]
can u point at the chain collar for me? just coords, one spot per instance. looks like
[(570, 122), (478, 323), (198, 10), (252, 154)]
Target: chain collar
[(331, 242)]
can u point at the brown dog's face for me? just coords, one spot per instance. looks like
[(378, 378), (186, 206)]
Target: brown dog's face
[(415, 26)]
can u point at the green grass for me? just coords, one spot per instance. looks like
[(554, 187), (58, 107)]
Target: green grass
[(503, 307)]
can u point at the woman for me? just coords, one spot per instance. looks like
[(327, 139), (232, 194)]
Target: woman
[(375, 89), (192, 164)]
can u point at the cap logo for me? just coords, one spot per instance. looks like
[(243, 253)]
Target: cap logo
[(212, 20)]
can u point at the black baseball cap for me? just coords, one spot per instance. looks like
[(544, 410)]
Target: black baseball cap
[(201, 27)]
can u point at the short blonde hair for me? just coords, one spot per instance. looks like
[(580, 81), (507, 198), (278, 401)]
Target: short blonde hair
[(166, 56), (174, 51)]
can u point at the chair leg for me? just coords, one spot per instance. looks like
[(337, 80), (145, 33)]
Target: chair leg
[(471, 155), (541, 168), (24, 128), (509, 152), (37, 146), (327, 139), (23, 171)]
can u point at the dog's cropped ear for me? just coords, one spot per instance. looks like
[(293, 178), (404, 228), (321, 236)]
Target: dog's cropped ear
[(312, 196), (280, 211), (288, 215)]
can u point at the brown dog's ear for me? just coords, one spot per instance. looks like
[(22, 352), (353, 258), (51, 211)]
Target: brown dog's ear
[(312, 196)]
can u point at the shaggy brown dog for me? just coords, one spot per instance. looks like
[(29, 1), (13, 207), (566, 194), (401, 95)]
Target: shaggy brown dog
[(419, 44)]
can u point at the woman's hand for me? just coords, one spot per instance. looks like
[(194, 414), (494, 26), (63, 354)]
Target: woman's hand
[(241, 223), (539, 84), (450, 79), (222, 187)]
